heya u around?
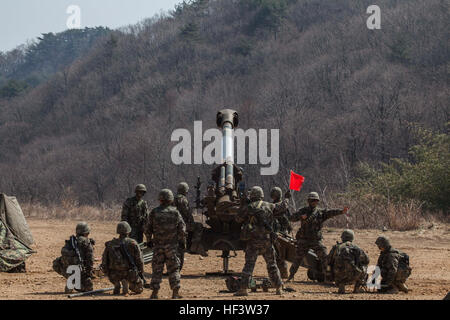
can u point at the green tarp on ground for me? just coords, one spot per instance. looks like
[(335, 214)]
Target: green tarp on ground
[(15, 235)]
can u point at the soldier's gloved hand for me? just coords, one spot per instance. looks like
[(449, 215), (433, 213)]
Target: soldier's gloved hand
[(288, 194)]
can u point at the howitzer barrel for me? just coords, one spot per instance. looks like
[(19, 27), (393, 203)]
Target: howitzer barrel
[(227, 120)]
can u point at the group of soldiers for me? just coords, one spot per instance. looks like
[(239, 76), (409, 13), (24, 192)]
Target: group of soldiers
[(166, 226)]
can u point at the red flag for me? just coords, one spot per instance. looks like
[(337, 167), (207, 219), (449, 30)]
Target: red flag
[(296, 181)]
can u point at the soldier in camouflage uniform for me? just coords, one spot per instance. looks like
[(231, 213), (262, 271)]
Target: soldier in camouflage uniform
[(348, 263), (135, 212), (122, 262), (194, 229), (257, 217), (69, 257), (309, 236), (394, 267), (165, 232), (281, 224)]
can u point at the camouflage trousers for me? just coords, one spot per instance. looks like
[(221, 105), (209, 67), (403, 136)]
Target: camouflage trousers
[(122, 276), (253, 250), (400, 276), (303, 246), (167, 255), (280, 258), (137, 234), (86, 281), (346, 274)]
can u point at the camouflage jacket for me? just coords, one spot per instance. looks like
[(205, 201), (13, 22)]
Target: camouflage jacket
[(311, 227), (355, 255), (281, 216), (114, 259), (182, 204), (165, 226), (135, 212), (388, 262), (257, 218)]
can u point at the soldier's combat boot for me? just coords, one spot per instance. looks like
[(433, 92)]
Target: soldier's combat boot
[(341, 289), (154, 295), (176, 294), (391, 290), (67, 290), (402, 287), (197, 247), (278, 292), (241, 293)]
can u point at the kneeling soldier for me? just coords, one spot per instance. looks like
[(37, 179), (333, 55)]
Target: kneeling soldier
[(122, 262), (394, 267), (348, 263), (78, 251)]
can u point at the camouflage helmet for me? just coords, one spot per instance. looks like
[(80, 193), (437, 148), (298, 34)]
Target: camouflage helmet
[(183, 188), (276, 193), (140, 187), (313, 196), (347, 235), (383, 242), (82, 228), (123, 228), (166, 195), (256, 193)]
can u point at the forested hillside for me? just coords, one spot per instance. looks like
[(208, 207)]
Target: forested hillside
[(340, 94), (28, 65)]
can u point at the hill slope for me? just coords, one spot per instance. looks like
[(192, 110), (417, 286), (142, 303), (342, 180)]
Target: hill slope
[(339, 93)]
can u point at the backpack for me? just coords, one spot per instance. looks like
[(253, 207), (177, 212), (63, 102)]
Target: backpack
[(68, 254), (346, 257), (117, 260)]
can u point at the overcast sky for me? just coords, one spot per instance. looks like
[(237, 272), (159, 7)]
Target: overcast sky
[(22, 20)]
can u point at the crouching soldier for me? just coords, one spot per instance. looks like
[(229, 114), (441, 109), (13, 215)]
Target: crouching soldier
[(78, 251), (122, 262), (394, 267), (348, 263), (258, 229), (166, 232)]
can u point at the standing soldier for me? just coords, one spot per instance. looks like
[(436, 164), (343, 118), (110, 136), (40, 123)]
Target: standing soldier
[(135, 212), (281, 224), (348, 263), (394, 267), (309, 236), (78, 250), (165, 232), (258, 227), (122, 262), (193, 228)]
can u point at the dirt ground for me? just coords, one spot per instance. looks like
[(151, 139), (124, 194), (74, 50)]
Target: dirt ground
[(429, 251)]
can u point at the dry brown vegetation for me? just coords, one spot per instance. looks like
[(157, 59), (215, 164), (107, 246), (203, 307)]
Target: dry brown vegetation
[(341, 94)]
